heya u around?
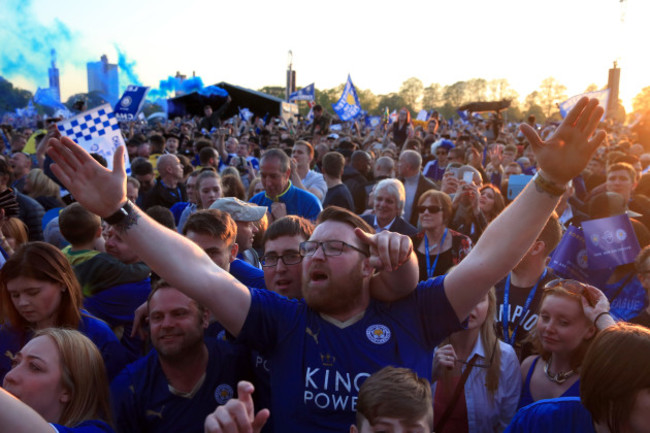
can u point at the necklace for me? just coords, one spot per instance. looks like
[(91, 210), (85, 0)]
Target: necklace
[(559, 377)]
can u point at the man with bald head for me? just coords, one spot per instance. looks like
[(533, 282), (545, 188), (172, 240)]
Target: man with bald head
[(168, 188), (409, 170)]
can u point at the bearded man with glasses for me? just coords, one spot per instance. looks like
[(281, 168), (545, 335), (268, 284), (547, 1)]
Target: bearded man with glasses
[(322, 349)]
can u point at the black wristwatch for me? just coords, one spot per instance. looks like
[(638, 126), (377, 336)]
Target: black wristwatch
[(121, 214)]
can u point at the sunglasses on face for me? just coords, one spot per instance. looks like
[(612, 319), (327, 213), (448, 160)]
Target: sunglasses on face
[(431, 209)]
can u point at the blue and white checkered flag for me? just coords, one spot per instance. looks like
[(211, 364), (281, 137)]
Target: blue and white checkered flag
[(304, 94), (601, 95), (348, 106), (97, 131)]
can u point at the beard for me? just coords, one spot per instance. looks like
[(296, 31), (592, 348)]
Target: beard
[(336, 294)]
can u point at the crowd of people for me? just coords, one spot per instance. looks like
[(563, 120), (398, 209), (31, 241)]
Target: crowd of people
[(294, 276)]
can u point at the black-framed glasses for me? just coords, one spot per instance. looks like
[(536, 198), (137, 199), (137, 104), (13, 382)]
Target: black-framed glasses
[(271, 260), (330, 248), (431, 209), (482, 362)]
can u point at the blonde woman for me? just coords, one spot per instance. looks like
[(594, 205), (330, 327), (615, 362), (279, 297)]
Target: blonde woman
[(476, 379), (57, 383)]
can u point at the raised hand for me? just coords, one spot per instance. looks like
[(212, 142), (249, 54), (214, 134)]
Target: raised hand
[(568, 150), (238, 414), (388, 250), (98, 189)]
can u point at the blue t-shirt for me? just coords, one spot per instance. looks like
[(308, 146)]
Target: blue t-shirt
[(557, 415), (116, 305), (113, 353), (298, 202), (142, 401), (91, 426), (317, 367), (247, 274)]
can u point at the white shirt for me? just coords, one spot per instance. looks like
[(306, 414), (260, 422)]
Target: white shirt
[(316, 181), (491, 413)]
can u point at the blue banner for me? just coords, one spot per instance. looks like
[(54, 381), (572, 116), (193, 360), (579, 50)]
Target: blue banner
[(305, 94), (130, 104), (373, 121), (610, 241), (601, 95), (348, 106), (569, 259)]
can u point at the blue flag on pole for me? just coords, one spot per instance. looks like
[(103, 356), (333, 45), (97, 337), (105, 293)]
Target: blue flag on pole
[(601, 95), (348, 106), (130, 104), (304, 94)]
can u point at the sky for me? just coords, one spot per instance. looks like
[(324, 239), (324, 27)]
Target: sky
[(379, 43)]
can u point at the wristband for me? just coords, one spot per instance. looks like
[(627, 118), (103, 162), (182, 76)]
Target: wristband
[(121, 214), (600, 315), (548, 186)]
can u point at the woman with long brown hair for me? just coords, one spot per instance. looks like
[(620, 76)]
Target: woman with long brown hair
[(38, 290)]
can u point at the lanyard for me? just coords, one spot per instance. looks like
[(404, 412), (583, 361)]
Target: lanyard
[(431, 271), (506, 308)]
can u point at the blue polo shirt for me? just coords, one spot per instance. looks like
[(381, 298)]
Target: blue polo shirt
[(298, 202)]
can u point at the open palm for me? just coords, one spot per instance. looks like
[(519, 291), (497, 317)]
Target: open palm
[(567, 151)]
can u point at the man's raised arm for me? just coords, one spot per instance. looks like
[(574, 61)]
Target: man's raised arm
[(505, 241), (170, 255)]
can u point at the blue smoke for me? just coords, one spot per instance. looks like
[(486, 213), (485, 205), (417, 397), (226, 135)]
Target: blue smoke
[(127, 70), (167, 88), (27, 44)]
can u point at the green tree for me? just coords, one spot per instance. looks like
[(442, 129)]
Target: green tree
[(641, 102), (411, 92), (92, 100), (551, 92), (327, 97), (447, 111), (368, 100), (393, 101), (455, 94), (432, 97), (476, 90), (591, 88), (277, 91), (11, 97)]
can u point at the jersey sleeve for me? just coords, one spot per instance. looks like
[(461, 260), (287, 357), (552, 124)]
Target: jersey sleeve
[(269, 318), (437, 317)]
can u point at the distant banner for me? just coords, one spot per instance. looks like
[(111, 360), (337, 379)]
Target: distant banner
[(569, 260), (130, 104), (348, 106), (373, 121), (305, 94), (97, 131), (610, 241), (423, 115), (601, 95)]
